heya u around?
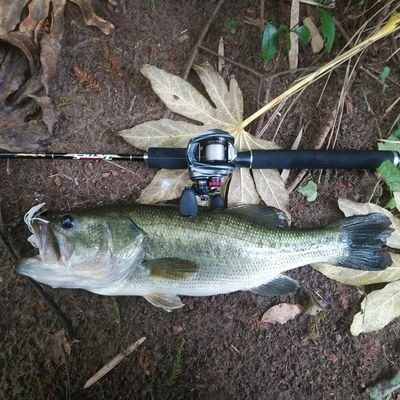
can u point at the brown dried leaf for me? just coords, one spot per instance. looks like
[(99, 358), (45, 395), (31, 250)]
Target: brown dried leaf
[(38, 10), (14, 69), (146, 363), (16, 134), (49, 116), (280, 314), (91, 18), (50, 46), (56, 347), (27, 46), (10, 14)]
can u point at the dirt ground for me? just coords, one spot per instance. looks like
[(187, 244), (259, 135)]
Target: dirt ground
[(224, 354)]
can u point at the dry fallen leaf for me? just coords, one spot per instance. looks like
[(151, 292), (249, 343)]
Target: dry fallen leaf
[(35, 27), (56, 347), (146, 363), (294, 40), (280, 314), (378, 309), (317, 42), (226, 113)]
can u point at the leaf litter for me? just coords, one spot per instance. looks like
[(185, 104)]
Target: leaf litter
[(31, 32), (225, 113)]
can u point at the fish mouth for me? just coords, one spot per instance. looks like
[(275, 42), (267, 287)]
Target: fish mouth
[(47, 242), (53, 249)]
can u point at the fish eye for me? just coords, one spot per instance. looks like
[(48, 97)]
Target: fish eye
[(67, 222)]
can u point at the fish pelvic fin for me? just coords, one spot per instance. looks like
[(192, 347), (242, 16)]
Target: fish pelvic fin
[(281, 285), (366, 237), (171, 268), (168, 302)]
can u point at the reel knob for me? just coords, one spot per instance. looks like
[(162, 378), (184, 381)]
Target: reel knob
[(188, 203)]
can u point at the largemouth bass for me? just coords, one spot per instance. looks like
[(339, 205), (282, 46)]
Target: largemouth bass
[(152, 251)]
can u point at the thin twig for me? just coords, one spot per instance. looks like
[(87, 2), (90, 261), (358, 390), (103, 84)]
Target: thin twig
[(248, 69), (200, 40), (64, 321), (113, 363)]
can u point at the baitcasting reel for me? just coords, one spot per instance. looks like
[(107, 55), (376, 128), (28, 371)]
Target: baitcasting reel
[(209, 159)]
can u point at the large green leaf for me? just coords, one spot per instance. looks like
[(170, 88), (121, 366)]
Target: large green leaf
[(390, 174), (303, 33), (328, 28), (270, 42)]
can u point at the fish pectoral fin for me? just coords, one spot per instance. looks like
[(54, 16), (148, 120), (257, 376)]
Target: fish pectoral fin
[(270, 216), (168, 302), (278, 286), (171, 268)]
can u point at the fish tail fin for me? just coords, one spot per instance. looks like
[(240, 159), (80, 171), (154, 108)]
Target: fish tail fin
[(366, 237)]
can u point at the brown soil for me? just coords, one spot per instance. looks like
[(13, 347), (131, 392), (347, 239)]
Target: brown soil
[(225, 354)]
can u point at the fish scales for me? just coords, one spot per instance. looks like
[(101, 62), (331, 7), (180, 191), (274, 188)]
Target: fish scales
[(230, 250)]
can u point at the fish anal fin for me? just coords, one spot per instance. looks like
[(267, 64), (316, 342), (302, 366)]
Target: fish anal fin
[(279, 286), (171, 268), (168, 302), (270, 216)]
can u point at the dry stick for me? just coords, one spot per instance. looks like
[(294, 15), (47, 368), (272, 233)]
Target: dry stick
[(113, 363), (66, 324), (200, 39), (244, 67)]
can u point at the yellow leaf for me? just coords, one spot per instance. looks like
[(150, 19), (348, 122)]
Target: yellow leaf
[(272, 189), (358, 277), (166, 185), (226, 113), (242, 189), (161, 133), (378, 309), (183, 99), (396, 196)]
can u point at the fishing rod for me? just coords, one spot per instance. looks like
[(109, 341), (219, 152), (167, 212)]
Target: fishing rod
[(212, 156)]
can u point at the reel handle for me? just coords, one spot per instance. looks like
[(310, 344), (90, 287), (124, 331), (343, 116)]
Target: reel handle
[(175, 158), (316, 159)]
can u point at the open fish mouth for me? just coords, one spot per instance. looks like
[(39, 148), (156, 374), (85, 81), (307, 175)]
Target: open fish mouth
[(43, 238)]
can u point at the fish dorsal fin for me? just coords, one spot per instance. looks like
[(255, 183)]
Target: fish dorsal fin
[(168, 302), (171, 268), (279, 286), (269, 216)]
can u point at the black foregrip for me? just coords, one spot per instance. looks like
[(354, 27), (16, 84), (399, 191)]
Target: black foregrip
[(166, 157), (319, 159)]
